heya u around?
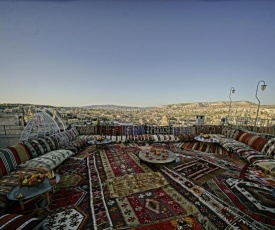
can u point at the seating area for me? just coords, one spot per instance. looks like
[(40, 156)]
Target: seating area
[(225, 185)]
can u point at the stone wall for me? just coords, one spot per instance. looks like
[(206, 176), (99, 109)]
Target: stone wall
[(9, 140), (11, 128)]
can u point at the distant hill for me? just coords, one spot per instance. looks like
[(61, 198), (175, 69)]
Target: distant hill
[(195, 105), (114, 107), (211, 104)]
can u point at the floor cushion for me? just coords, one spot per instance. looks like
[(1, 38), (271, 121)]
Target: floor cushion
[(49, 160)]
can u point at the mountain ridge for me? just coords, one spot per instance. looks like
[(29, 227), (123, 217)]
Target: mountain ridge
[(186, 105), (121, 107)]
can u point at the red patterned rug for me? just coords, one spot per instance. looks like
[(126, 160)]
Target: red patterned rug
[(70, 204), (83, 201), (251, 197), (250, 173), (198, 170)]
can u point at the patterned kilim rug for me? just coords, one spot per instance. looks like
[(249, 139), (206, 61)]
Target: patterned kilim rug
[(197, 170), (135, 183), (204, 147), (249, 173), (250, 197), (139, 209), (83, 200), (221, 214), (70, 204)]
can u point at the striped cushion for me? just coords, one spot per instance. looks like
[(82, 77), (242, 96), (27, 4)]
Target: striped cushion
[(224, 130), (256, 142), (49, 160), (21, 151), (38, 147), (8, 161), (32, 151), (47, 148), (51, 142), (235, 134), (270, 143), (245, 137), (60, 138), (271, 151), (231, 144), (71, 133), (74, 130), (239, 135)]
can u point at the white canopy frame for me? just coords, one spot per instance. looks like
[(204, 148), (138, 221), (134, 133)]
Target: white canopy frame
[(40, 125)]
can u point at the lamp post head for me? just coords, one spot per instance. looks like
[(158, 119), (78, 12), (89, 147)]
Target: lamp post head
[(263, 87), (233, 90)]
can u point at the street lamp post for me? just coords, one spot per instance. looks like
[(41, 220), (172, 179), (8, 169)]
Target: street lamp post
[(263, 87), (232, 90)]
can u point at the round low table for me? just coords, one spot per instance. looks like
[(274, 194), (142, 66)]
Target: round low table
[(171, 157), (31, 192)]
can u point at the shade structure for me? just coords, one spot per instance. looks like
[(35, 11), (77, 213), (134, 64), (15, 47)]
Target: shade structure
[(40, 125)]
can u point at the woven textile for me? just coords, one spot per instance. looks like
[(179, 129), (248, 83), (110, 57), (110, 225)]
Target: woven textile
[(60, 138), (16, 221), (49, 160), (256, 142), (248, 196), (8, 161), (250, 173), (269, 147), (204, 147), (71, 134), (86, 130), (31, 149), (39, 149), (222, 215), (165, 225), (51, 142), (138, 209), (198, 170), (129, 184), (267, 165), (21, 151), (83, 199), (46, 146)]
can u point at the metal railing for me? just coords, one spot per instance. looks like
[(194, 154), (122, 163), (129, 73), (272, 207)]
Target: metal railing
[(266, 126)]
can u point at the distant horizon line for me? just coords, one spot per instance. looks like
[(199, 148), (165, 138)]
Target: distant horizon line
[(135, 106)]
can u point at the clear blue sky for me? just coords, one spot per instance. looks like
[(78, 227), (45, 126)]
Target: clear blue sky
[(136, 53)]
